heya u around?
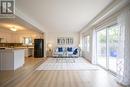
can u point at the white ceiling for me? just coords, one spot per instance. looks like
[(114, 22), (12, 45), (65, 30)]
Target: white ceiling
[(18, 23), (62, 15)]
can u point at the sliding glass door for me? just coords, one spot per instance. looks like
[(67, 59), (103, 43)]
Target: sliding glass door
[(101, 48), (107, 47), (113, 41)]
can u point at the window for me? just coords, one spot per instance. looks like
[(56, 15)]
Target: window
[(27, 41), (86, 43)]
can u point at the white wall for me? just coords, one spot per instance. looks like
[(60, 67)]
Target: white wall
[(51, 37), (6, 35)]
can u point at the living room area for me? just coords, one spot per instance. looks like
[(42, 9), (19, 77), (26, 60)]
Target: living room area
[(65, 43)]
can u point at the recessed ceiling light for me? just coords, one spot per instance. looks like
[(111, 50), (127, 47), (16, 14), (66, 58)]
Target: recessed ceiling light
[(13, 29)]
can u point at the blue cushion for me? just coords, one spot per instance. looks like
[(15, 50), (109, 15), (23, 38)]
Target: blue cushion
[(75, 51), (69, 49), (113, 53), (60, 49)]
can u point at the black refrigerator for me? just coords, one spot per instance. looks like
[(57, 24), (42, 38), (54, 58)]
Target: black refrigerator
[(38, 48)]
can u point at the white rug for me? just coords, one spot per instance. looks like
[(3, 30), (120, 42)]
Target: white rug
[(66, 64)]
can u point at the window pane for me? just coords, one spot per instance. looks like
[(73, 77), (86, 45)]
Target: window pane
[(27, 41), (88, 43), (101, 47), (113, 41)]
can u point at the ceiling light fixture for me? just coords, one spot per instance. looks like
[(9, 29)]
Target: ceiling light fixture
[(13, 29)]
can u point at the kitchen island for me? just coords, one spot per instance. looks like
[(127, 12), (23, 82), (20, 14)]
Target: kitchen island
[(11, 59), (29, 50)]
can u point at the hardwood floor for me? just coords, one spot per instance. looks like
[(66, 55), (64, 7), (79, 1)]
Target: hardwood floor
[(29, 77), (29, 66)]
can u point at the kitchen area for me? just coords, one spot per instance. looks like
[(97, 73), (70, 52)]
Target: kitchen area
[(12, 55), (16, 45)]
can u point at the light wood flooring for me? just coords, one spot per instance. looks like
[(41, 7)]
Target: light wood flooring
[(29, 77), (29, 66)]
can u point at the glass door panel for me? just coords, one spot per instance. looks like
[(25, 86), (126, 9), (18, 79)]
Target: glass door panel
[(101, 48), (113, 41)]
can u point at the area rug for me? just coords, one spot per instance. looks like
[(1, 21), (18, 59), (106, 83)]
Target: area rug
[(67, 64)]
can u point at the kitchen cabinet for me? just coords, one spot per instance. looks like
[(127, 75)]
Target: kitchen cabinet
[(29, 52)]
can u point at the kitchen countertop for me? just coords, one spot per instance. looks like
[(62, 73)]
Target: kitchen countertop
[(24, 47), (10, 50), (16, 47)]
